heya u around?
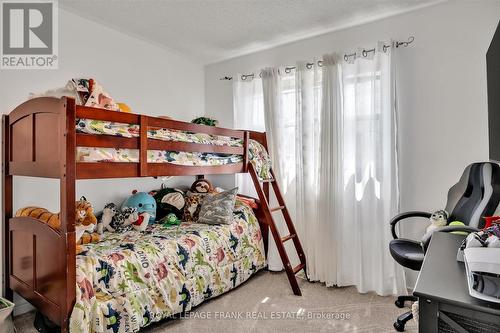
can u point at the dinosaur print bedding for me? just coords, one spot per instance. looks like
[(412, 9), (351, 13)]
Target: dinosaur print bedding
[(91, 126), (258, 155), (129, 280), (96, 154)]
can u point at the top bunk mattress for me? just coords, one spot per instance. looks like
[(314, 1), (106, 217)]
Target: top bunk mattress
[(258, 155), (99, 127)]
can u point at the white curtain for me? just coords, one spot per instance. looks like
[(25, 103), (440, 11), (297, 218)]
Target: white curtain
[(332, 137), (248, 106), (369, 194), (323, 265), (277, 115), (309, 97)]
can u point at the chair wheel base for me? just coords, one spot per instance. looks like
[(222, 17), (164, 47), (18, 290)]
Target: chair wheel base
[(399, 304), (398, 326)]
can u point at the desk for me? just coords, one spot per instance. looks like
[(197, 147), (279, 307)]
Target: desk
[(444, 301)]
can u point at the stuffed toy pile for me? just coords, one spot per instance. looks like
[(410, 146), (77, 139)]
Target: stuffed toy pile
[(488, 237), (87, 92), (167, 206)]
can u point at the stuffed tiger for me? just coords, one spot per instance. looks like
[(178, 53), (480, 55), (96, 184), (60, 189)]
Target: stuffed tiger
[(41, 214), (85, 221), (84, 215)]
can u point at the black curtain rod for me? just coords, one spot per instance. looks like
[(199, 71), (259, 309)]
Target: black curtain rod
[(319, 63)]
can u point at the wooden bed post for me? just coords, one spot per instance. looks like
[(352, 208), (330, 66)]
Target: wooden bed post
[(143, 146), (67, 215), (246, 140), (6, 205)]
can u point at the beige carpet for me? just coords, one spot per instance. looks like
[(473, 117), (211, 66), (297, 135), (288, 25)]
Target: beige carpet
[(266, 297)]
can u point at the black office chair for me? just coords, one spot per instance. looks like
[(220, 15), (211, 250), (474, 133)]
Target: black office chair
[(477, 194)]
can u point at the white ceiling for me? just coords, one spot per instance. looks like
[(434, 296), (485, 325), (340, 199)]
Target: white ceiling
[(214, 30)]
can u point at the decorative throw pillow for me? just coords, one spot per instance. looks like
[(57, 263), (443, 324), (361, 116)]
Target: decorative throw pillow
[(192, 206), (218, 208)]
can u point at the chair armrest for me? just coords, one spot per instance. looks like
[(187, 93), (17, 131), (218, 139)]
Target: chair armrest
[(403, 216), (464, 228)]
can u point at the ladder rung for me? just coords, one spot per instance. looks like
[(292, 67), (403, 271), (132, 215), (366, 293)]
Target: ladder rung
[(284, 239), (276, 208), (298, 268), (266, 180)]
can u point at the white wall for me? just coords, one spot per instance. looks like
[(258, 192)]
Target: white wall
[(442, 90), (150, 79)]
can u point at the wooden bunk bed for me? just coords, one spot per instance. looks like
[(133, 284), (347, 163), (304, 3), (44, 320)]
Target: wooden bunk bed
[(39, 262)]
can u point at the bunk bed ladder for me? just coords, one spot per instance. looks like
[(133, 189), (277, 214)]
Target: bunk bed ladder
[(263, 192)]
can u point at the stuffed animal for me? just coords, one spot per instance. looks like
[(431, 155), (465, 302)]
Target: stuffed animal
[(205, 121), (142, 222), (143, 202), (489, 237), (493, 241), (87, 238), (438, 220), (202, 186), (170, 220), (85, 224), (169, 200), (108, 213), (192, 207), (123, 220), (124, 107), (42, 214), (195, 197), (490, 220), (85, 220)]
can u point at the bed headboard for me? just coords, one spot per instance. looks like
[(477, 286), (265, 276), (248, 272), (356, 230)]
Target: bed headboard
[(33, 140), (41, 133)]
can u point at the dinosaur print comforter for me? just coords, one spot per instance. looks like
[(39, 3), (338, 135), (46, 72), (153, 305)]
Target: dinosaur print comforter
[(129, 280)]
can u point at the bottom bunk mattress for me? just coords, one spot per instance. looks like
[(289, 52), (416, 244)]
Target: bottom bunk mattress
[(258, 156), (95, 154), (129, 280)]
